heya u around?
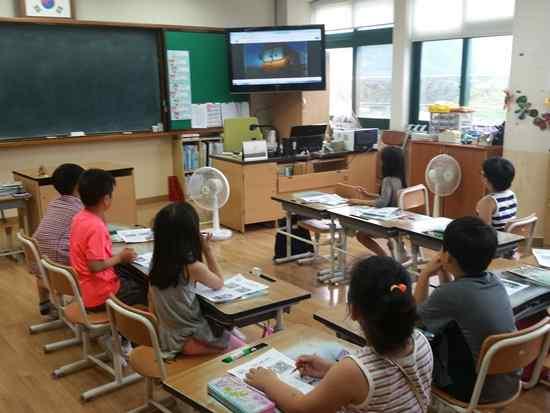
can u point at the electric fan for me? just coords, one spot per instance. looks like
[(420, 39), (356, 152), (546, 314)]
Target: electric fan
[(209, 188), (443, 176)]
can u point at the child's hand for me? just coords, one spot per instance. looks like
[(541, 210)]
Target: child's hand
[(312, 366), (260, 378), (433, 267), (127, 255)]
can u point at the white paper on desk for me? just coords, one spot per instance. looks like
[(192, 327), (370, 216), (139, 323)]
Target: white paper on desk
[(199, 117), (325, 199), (144, 259), (234, 288), (244, 109), (213, 115), (512, 287), (382, 214), (278, 363), (542, 256), (131, 236), (433, 224)]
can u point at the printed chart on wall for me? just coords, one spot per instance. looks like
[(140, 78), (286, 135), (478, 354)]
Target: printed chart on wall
[(179, 75)]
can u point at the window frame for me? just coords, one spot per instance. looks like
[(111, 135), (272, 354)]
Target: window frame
[(356, 38), (416, 69)]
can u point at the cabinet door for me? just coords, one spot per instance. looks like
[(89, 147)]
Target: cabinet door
[(463, 201), (260, 183), (420, 154), (362, 170)]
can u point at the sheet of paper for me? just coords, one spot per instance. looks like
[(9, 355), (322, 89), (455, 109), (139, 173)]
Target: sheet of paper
[(377, 213), (234, 288), (130, 236), (199, 118), (542, 256), (278, 363), (230, 110), (512, 287), (179, 84), (144, 259), (325, 199), (213, 115)]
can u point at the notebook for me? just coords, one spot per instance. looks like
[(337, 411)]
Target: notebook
[(238, 396), (536, 275)]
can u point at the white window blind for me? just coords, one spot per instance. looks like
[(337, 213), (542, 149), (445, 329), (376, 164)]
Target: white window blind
[(348, 14), (437, 19)]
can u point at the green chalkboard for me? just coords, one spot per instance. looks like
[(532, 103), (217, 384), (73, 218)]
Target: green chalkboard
[(209, 68)]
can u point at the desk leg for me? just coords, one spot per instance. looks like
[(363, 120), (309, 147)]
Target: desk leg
[(279, 323), (288, 231)]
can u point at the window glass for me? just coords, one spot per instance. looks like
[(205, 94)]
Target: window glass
[(340, 74), (488, 75), (374, 81), (440, 68)]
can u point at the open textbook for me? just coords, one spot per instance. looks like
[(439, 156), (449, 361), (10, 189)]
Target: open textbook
[(130, 236), (277, 362), (314, 197), (382, 214), (234, 288), (537, 275)]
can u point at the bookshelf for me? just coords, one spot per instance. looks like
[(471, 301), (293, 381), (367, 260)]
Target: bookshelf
[(191, 152)]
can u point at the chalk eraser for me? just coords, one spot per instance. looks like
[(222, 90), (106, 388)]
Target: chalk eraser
[(78, 133)]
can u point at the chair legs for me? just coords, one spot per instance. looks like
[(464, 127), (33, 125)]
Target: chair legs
[(47, 326), (89, 360), (150, 400)]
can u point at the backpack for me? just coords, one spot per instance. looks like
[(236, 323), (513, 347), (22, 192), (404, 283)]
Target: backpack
[(296, 246)]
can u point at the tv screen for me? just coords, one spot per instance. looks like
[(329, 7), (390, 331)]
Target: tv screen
[(277, 58)]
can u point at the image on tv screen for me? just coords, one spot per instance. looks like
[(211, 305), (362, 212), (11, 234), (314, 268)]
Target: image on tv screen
[(275, 58)]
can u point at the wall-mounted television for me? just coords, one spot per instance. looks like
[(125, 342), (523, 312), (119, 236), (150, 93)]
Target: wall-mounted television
[(266, 59)]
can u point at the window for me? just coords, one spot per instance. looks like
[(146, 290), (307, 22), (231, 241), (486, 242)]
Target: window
[(467, 72), (488, 74), (348, 14), (340, 81), (374, 81), (440, 70)]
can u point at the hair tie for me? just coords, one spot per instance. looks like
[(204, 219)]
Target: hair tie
[(401, 287)]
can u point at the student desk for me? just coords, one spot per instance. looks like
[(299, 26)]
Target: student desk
[(123, 209), (280, 297), (293, 206), (21, 204), (191, 385), (412, 225), (524, 304)]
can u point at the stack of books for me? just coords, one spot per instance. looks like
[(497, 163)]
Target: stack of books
[(239, 397), (11, 189)]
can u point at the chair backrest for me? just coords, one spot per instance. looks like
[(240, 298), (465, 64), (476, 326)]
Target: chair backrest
[(348, 191), (506, 353), (414, 197), (32, 255), (63, 280), (140, 327), (525, 227)]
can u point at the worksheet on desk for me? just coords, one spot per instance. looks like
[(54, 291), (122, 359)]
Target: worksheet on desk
[(283, 366), (132, 236), (234, 288)]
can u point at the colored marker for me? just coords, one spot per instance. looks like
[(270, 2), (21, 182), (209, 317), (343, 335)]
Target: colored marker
[(245, 352)]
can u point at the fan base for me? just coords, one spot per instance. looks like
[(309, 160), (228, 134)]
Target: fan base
[(221, 234)]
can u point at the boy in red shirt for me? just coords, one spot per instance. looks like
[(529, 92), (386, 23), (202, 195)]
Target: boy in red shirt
[(99, 272)]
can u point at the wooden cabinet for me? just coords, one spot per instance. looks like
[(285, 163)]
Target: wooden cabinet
[(293, 108), (253, 184), (122, 211), (470, 159)]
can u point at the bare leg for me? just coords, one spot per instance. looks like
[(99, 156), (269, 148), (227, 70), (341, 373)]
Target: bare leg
[(371, 244)]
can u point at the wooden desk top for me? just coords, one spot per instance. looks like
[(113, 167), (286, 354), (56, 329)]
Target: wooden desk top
[(337, 318), (279, 294), (191, 385), (108, 166)]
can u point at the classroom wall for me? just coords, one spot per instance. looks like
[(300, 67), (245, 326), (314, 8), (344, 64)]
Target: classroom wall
[(525, 144), (152, 159)]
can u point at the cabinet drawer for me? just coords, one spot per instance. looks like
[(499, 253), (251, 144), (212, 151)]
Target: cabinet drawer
[(318, 180)]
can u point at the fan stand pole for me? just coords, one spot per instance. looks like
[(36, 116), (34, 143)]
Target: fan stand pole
[(218, 233)]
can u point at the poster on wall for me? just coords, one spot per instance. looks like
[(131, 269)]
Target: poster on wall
[(47, 8), (179, 84)]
